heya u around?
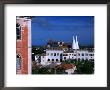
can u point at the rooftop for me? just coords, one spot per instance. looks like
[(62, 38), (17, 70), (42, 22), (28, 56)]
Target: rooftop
[(71, 51), (54, 48), (68, 66)]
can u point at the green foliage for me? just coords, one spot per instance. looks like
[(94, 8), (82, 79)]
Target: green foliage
[(43, 71), (38, 50), (60, 71), (83, 67), (46, 70)]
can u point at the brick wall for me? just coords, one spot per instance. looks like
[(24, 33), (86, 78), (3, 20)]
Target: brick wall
[(22, 49)]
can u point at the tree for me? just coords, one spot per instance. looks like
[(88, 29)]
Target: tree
[(85, 67)]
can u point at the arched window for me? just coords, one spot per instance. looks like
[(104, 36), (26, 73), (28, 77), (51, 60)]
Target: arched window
[(52, 59), (56, 59), (18, 31), (18, 62), (48, 59)]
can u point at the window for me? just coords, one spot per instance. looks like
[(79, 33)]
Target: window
[(56, 59), (18, 62), (78, 54), (52, 59), (51, 54), (60, 54), (54, 54), (86, 54), (82, 54), (65, 54), (74, 54), (48, 59), (90, 54), (70, 54), (18, 31), (60, 60), (57, 54), (64, 57)]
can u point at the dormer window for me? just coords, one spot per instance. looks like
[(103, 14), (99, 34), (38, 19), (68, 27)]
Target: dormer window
[(18, 31)]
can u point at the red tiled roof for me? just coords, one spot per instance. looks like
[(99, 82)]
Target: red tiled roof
[(68, 66)]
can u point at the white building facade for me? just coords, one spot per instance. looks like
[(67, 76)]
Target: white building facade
[(51, 56), (79, 55), (59, 55)]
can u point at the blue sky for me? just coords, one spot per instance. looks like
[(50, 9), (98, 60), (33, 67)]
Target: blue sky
[(62, 28)]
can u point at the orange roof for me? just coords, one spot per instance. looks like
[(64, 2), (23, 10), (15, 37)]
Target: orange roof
[(68, 66)]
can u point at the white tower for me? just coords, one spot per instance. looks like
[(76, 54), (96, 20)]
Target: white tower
[(73, 44), (77, 46)]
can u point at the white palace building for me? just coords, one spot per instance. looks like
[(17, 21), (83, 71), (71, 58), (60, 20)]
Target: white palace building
[(58, 55)]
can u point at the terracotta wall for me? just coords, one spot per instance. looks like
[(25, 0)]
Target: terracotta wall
[(22, 49)]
